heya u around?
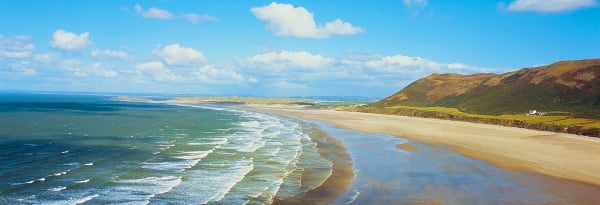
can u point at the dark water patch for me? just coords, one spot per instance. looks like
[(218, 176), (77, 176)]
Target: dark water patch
[(73, 106), (24, 161)]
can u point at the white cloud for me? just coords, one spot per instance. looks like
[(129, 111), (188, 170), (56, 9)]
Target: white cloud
[(550, 6), (81, 69), (286, 85), (195, 18), (110, 55), (69, 41), (219, 74), (175, 54), (22, 67), (16, 47), (47, 58), (287, 20), (418, 65), (153, 13), (415, 3), (307, 71), (157, 71), (288, 60), (98, 70), (400, 63), (156, 13), (29, 71)]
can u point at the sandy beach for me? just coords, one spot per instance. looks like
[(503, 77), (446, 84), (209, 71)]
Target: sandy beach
[(339, 180), (559, 155)]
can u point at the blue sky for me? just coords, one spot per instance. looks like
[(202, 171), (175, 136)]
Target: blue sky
[(282, 48)]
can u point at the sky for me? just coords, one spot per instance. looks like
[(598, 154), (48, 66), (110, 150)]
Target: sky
[(281, 48)]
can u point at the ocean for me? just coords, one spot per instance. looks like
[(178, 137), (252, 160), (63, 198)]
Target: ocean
[(70, 149)]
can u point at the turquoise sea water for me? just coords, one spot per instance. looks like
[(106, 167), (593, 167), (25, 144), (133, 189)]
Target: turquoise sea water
[(62, 149)]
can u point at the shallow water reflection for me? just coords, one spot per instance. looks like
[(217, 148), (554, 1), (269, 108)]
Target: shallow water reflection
[(437, 175)]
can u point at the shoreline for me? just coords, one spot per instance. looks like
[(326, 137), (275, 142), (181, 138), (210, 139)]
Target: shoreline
[(554, 154), (337, 183)]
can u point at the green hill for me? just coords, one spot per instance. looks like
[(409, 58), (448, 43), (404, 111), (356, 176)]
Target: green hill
[(570, 88)]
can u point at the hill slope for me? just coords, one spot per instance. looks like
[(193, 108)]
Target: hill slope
[(571, 87)]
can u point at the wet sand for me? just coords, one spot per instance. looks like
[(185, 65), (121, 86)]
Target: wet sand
[(407, 146), (573, 159), (339, 180)]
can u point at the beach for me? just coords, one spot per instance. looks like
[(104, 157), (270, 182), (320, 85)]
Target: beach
[(339, 180), (566, 165)]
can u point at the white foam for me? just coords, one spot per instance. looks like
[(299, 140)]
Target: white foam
[(60, 173), (72, 201), (85, 199), (149, 187), (269, 137), (57, 189), (211, 141), (82, 181), (89, 164), (353, 197), (65, 152), (253, 146), (194, 155), (250, 124), (221, 180), (167, 166), (273, 152)]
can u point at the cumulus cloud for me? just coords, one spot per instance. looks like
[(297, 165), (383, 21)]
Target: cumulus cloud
[(68, 41), (16, 47), (220, 74), (19, 67), (408, 64), (287, 20), (46, 58), (550, 6), (287, 69), (400, 63), (79, 68), (288, 60), (110, 55), (175, 54), (157, 71), (153, 13), (98, 70), (156, 13)]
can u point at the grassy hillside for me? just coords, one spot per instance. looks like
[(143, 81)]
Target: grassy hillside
[(568, 91), (570, 88), (565, 124)]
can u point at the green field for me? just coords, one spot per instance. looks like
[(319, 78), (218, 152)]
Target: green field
[(531, 119)]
